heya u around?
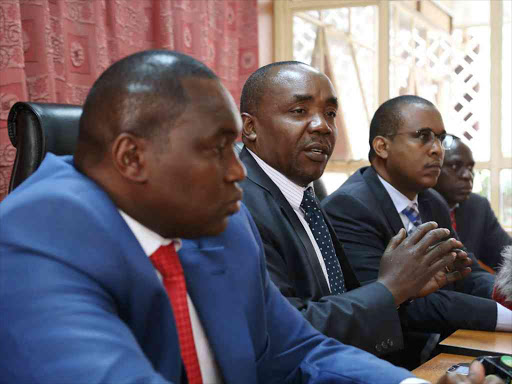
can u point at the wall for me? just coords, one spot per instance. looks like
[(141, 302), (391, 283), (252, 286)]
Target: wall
[(265, 31)]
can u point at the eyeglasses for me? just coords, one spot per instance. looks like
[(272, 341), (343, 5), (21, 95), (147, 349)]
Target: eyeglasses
[(426, 136)]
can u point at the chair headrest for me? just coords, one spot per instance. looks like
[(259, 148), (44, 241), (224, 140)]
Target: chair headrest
[(37, 128)]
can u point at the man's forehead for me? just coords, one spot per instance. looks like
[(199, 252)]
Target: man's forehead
[(296, 79), (422, 114), (460, 150), (210, 108)]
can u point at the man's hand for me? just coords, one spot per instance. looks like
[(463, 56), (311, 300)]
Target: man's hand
[(476, 376), (419, 264), (458, 270)]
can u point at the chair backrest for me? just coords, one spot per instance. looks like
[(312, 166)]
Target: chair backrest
[(37, 128)]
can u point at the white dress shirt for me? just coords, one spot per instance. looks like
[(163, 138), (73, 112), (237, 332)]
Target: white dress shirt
[(504, 317), (293, 193), (150, 242)]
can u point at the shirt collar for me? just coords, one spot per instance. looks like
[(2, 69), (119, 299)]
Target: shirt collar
[(399, 199), (292, 192), (149, 240)]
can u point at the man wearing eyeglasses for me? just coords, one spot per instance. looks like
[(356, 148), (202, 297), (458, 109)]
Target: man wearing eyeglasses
[(471, 214), (408, 142)]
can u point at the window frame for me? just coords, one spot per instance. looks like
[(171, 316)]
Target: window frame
[(283, 50)]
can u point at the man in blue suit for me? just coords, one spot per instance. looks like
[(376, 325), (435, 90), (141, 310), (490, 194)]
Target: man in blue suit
[(80, 298)]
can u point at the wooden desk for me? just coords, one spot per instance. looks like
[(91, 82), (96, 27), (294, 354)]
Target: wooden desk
[(433, 369), (477, 343)]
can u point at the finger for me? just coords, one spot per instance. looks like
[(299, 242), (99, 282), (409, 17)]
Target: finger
[(493, 379), (441, 264), (476, 372), (421, 231), (440, 251), (461, 254), (461, 264), (452, 378), (396, 240), (457, 275), (434, 239)]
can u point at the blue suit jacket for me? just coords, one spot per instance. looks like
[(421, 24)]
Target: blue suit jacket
[(81, 303)]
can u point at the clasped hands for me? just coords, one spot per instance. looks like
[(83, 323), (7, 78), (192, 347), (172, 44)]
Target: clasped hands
[(417, 265)]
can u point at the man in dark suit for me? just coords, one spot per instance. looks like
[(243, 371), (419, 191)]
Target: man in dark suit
[(288, 111), (408, 140), (471, 215), (92, 288)]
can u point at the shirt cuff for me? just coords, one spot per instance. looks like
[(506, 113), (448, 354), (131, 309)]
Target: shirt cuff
[(504, 321), (414, 380)]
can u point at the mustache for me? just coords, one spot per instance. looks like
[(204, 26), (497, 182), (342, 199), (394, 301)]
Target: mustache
[(322, 145)]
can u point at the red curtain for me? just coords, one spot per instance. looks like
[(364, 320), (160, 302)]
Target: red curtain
[(53, 50)]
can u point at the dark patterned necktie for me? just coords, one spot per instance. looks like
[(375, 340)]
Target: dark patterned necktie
[(316, 221), (414, 217)]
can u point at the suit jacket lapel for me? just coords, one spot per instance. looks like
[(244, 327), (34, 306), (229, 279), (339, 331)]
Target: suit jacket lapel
[(258, 176), (390, 213), (351, 281), (215, 294)]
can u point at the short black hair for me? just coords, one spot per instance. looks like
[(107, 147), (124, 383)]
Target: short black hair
[(131, 96), (255, 86), (388, 118)]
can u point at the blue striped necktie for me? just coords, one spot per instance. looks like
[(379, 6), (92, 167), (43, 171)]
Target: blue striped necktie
[(414, 217), (316, 221)]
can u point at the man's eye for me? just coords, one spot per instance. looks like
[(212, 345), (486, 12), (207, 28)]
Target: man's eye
[(424, 136), (455, 167), (299, 110), (332, 114)]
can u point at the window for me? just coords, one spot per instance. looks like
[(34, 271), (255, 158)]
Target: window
[(455, 53)]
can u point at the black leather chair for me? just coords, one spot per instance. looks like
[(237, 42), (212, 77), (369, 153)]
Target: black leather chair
[(37, 128)]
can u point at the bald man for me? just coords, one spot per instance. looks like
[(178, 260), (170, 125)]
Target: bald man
[(471, 214)]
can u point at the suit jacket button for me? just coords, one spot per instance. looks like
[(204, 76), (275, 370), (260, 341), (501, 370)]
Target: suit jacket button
[(384, 345), (390, 342), (378, 347)]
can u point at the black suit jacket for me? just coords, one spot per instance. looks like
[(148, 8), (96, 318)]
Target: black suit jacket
[(365, 317), (480, 231), (365, 219)]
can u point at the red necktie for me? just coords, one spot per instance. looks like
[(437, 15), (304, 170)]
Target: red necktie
[(165, 260), (452, 217)]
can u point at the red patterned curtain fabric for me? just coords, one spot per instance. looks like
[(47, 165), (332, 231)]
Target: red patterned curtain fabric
[(53, 50)]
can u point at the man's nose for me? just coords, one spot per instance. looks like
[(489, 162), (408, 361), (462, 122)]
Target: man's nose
[(466, 173), (236, 170), (437, 147), (319, 124)]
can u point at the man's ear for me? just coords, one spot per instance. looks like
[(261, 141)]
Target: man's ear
[(128, 157), (248, 128), (381, 146)]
